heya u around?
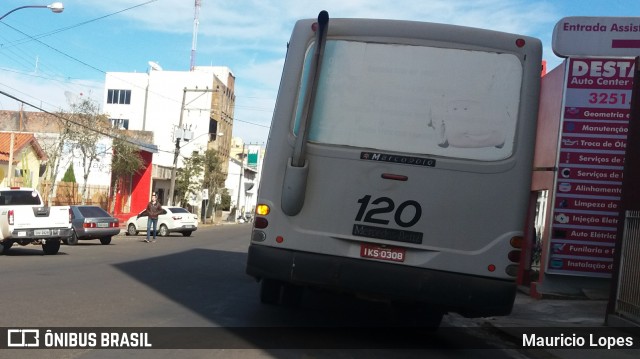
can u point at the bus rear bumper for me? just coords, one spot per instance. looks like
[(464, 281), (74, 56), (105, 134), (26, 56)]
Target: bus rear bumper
[(471, 296)]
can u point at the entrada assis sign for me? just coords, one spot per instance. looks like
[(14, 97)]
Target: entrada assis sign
[(597, 36)]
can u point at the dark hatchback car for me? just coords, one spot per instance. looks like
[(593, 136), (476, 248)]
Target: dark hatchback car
[(92, 222)]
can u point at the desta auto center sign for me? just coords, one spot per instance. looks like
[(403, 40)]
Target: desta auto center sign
[(597, 96)]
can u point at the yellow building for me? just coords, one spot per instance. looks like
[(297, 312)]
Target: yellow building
[(26, 159)]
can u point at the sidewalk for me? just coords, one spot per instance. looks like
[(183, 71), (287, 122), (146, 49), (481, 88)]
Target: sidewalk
[(569, 317)]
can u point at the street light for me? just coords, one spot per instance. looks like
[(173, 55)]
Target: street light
[(55, 7)]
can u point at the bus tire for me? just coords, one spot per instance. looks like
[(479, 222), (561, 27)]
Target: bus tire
[(270, 291)]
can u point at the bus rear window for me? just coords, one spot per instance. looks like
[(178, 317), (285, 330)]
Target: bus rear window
[(416, 99)]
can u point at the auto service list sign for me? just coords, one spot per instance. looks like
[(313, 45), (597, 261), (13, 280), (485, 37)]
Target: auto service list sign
[(590, 166)]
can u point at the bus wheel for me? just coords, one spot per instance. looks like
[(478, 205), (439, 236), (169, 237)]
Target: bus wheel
[(292, 295), (270, 291)]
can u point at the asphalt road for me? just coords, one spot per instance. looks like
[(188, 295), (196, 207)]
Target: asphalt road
[(185, 283)]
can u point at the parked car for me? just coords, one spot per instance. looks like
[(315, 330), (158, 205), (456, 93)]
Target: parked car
[(24, 219), (92, 222), (172, 219)]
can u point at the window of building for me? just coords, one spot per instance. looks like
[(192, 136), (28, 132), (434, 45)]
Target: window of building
[(120, 123), (213, 129), (120, 97)]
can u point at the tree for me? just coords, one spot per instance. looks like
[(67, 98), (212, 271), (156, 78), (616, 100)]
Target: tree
[(126, 161), (225, 200), (58, 151), (79, 132), (87, 128), (213, 176), (69, 175), (189, 179)]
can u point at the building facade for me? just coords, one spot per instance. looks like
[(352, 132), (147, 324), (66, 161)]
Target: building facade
[(187, 111), (21, 159), (42, 155), (245, 159)]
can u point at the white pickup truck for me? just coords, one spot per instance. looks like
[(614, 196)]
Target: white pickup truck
[(24, 219)]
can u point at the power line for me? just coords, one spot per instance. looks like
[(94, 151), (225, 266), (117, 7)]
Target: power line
[(36, 38), (58, 51), (94, 129), (251, 123), (90, 128), (32, 38)]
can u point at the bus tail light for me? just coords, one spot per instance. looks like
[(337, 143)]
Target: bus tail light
[(10, 217), (258, 236), (260, 223), (512, 270), (262, 210), (516, 242)]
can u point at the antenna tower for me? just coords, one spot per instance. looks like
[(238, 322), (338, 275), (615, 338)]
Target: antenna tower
[(194, 43)]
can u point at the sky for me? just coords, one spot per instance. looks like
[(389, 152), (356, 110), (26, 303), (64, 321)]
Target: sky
[(48, 59)]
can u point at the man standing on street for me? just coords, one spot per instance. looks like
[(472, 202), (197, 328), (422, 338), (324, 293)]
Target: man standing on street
[(153, 210)]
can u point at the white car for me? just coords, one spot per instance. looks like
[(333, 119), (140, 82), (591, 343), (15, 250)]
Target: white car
[(172, 219)]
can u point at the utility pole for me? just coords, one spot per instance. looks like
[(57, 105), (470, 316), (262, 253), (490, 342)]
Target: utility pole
[(179, 134), (240, 181), (10, 171), (176, 152)]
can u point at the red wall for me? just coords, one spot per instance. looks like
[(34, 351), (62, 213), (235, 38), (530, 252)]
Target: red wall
[(140, 190), (141, 185), (549, 114)]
